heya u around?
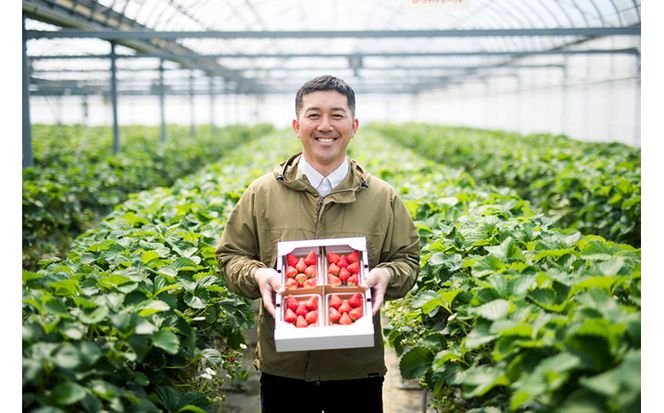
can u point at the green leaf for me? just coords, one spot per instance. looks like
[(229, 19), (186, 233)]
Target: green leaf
[(167, 341), (68, 393), (212, 355), (152, 307), (191, 408), (493, 310), (148, 256), (93, 317), (416, 362)]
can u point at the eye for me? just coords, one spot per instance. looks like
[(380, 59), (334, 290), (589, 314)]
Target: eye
[(313, 116), (337, 116)]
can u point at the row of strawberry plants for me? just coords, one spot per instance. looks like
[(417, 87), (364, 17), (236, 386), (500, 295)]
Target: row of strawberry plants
[(509, 313), (593, 187), (135, 318), (76, 180)]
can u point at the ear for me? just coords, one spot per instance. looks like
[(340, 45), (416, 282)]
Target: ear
[(296, 126), (356, 125)]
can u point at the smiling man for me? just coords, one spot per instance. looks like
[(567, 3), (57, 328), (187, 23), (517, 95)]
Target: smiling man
[(317, 194)]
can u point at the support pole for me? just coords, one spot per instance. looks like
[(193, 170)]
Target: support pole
[(211, 85), (114, 101), (637, 103), (563, 122), (162, 104), (192, 111), (28, 160)]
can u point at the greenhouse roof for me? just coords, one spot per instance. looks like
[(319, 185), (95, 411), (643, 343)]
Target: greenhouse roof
[(261, 47)]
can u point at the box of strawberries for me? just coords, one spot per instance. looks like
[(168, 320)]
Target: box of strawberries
[(324, 305)]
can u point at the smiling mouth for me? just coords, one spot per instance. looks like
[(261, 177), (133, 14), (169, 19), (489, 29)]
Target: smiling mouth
[(326, 140)]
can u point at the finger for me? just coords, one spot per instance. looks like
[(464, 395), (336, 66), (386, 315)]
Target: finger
[(268, 303), (377, 297)]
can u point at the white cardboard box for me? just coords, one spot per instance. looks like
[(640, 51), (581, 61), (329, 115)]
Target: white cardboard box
[(323, 336)]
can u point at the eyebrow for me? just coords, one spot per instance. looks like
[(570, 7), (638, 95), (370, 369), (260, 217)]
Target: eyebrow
[(316, 108)]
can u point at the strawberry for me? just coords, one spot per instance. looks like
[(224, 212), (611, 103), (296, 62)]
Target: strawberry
[(301, 310), (344, 320), (354, 267), (291, 303), (301, 265), (345, 307), (344, 274), (312, 317), (333, 315), (353, 280), (291, 284), (290, 316), (310, 259), (301, 278), (310, 271), (291, 259), (335, 301), (343, 261), (301, 322), (311, 282), (332, 258), (333, 269), (312, 303), (291, 272), (333, 280), (353, 257), (355, 313), (356, 300)]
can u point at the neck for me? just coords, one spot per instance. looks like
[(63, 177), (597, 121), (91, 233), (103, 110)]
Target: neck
[(325, 170)]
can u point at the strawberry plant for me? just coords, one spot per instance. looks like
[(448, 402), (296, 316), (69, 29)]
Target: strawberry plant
[(593, 187), (509, 313), (76, 180), (136, 318)]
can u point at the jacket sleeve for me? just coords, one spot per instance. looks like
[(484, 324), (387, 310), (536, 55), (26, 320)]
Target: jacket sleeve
[(238, 251), (401, 251)]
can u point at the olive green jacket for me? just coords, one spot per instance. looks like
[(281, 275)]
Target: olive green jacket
[(283, 206)]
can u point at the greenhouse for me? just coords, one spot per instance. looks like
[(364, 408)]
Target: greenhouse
[(508, 256)]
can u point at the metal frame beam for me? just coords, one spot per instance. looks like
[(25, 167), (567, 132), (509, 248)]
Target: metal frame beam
[(311, 34)]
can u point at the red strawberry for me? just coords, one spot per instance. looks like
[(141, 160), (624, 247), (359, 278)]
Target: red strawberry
[(310, 271), (344, 274), (291, 284), (343, 261), (312, 303), (353, 267), (333, 315), (291, 303), (311, 282), (356, 300), (301, 265), (335, 301), (353, 256), (291, 272), (301, 309), (355, 313), (301, 322), (345, 307), (301, 278), (290, 316), (310, 259), (332, 258), (344, 320), (353, 280), (312, 317), (333, 269), (333, 280), (291, 259)]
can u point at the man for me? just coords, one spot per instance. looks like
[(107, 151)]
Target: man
[(318, 194)]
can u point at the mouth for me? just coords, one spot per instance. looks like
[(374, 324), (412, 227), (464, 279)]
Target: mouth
[(325, 140)]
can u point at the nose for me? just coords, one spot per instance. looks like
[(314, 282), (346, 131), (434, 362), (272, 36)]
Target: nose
[(324, 124)]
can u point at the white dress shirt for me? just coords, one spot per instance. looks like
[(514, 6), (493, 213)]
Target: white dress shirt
[(323, 184)]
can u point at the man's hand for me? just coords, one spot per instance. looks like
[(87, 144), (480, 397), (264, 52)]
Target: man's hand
[(268, 283), (377, 280)]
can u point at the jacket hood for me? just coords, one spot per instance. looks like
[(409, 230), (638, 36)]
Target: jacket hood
[(286, 173)]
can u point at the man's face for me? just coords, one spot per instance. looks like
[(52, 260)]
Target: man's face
[(325, 125)]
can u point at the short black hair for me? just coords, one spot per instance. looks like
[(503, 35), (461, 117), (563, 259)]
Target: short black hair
[(325, 82)]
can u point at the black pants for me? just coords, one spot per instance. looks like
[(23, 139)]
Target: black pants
[(281, 394)]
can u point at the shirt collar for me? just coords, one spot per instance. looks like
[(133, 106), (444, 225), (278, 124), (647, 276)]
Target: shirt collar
[(315, 177)]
